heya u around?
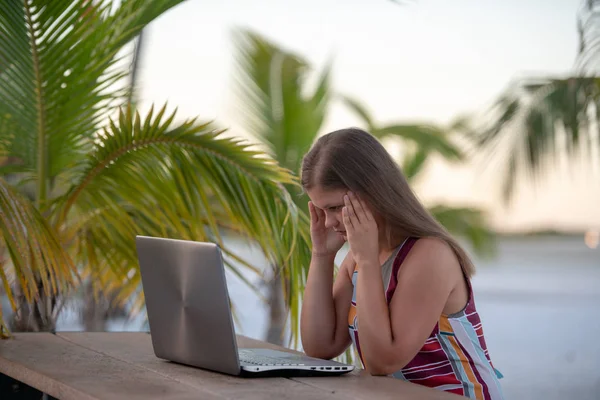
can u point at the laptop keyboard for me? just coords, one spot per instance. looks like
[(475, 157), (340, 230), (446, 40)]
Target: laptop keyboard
[(258, 359)]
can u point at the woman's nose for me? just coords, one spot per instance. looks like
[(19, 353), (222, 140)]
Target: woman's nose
[(330, 221)]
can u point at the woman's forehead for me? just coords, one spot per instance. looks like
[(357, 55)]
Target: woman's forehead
[(323, 198)]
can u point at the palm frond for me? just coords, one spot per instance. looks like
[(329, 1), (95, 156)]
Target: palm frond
[(426, 137), (359, 109), (277, 109), (469, 224), (413, 163), (588, 57), (31, 251), (63, 74), (535, 123), (185, 180)]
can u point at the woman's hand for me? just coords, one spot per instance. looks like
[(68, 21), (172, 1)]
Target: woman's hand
[(325, 242), (361, 229)]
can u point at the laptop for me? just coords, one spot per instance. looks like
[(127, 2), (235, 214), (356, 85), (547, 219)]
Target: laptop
[(189, 314)]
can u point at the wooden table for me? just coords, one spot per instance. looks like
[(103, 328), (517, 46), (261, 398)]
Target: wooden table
[(112, 365)]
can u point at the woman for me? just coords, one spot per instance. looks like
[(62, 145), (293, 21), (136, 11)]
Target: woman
[(402, 294)]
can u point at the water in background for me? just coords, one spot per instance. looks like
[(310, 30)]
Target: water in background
[(539, 303), (538, 300)]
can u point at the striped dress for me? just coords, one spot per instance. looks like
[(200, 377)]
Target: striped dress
[(454, 358)]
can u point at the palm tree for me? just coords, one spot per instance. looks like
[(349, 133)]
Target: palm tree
[(538, 120), (80, 185), (420, 141), (279, 111)]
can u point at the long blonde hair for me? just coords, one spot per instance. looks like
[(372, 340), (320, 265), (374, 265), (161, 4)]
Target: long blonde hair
[(355, 160)]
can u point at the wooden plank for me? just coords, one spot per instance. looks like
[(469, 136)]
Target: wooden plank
[(361, 385), (136, 348), (67, 371)]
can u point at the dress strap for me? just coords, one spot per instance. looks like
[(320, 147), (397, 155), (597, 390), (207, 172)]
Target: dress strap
[(406, 247)]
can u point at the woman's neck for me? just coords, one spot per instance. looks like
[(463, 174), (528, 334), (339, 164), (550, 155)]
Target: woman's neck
[(388, 242), (387, 248)]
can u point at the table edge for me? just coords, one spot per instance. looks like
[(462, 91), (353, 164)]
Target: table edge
[(40, 381)]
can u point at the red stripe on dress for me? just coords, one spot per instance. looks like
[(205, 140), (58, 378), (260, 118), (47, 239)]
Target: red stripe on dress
[(431, 347), (437, 380), (358, 348), (458, 391), (408, 244), (426, 371)]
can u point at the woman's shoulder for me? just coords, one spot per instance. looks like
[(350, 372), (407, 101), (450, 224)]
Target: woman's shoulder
[(433, 246), (432, 253)]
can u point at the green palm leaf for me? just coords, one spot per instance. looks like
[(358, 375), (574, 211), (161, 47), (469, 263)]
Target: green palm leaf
[(99, 183), (588, 58), (185, 180), (360, 110), (63, 75), (413, 163), (468, 223), (424, 137), (537, 120), (31, 253), (530, 120), (277, 108)]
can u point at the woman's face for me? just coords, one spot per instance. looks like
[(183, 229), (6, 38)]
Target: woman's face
[(331, 203)]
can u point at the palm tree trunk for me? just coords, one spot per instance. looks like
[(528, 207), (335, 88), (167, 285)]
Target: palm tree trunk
[(98, 309), (277, 308), (37, 316), (94, 313)]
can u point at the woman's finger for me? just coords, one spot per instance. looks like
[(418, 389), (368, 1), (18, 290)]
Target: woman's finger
[(313, 213), (358, 207), (347, 221), (366, 209), (351, 211), (320, 215)]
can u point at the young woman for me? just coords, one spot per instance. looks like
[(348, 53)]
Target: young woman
[(402, 295)]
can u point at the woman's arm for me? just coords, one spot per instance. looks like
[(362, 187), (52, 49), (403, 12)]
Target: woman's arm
[(391, 337), (324, 317)]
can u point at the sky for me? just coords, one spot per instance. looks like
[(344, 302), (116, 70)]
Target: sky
[(426, 60)]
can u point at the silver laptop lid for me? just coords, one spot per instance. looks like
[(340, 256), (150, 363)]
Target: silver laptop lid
[(187, 303)]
